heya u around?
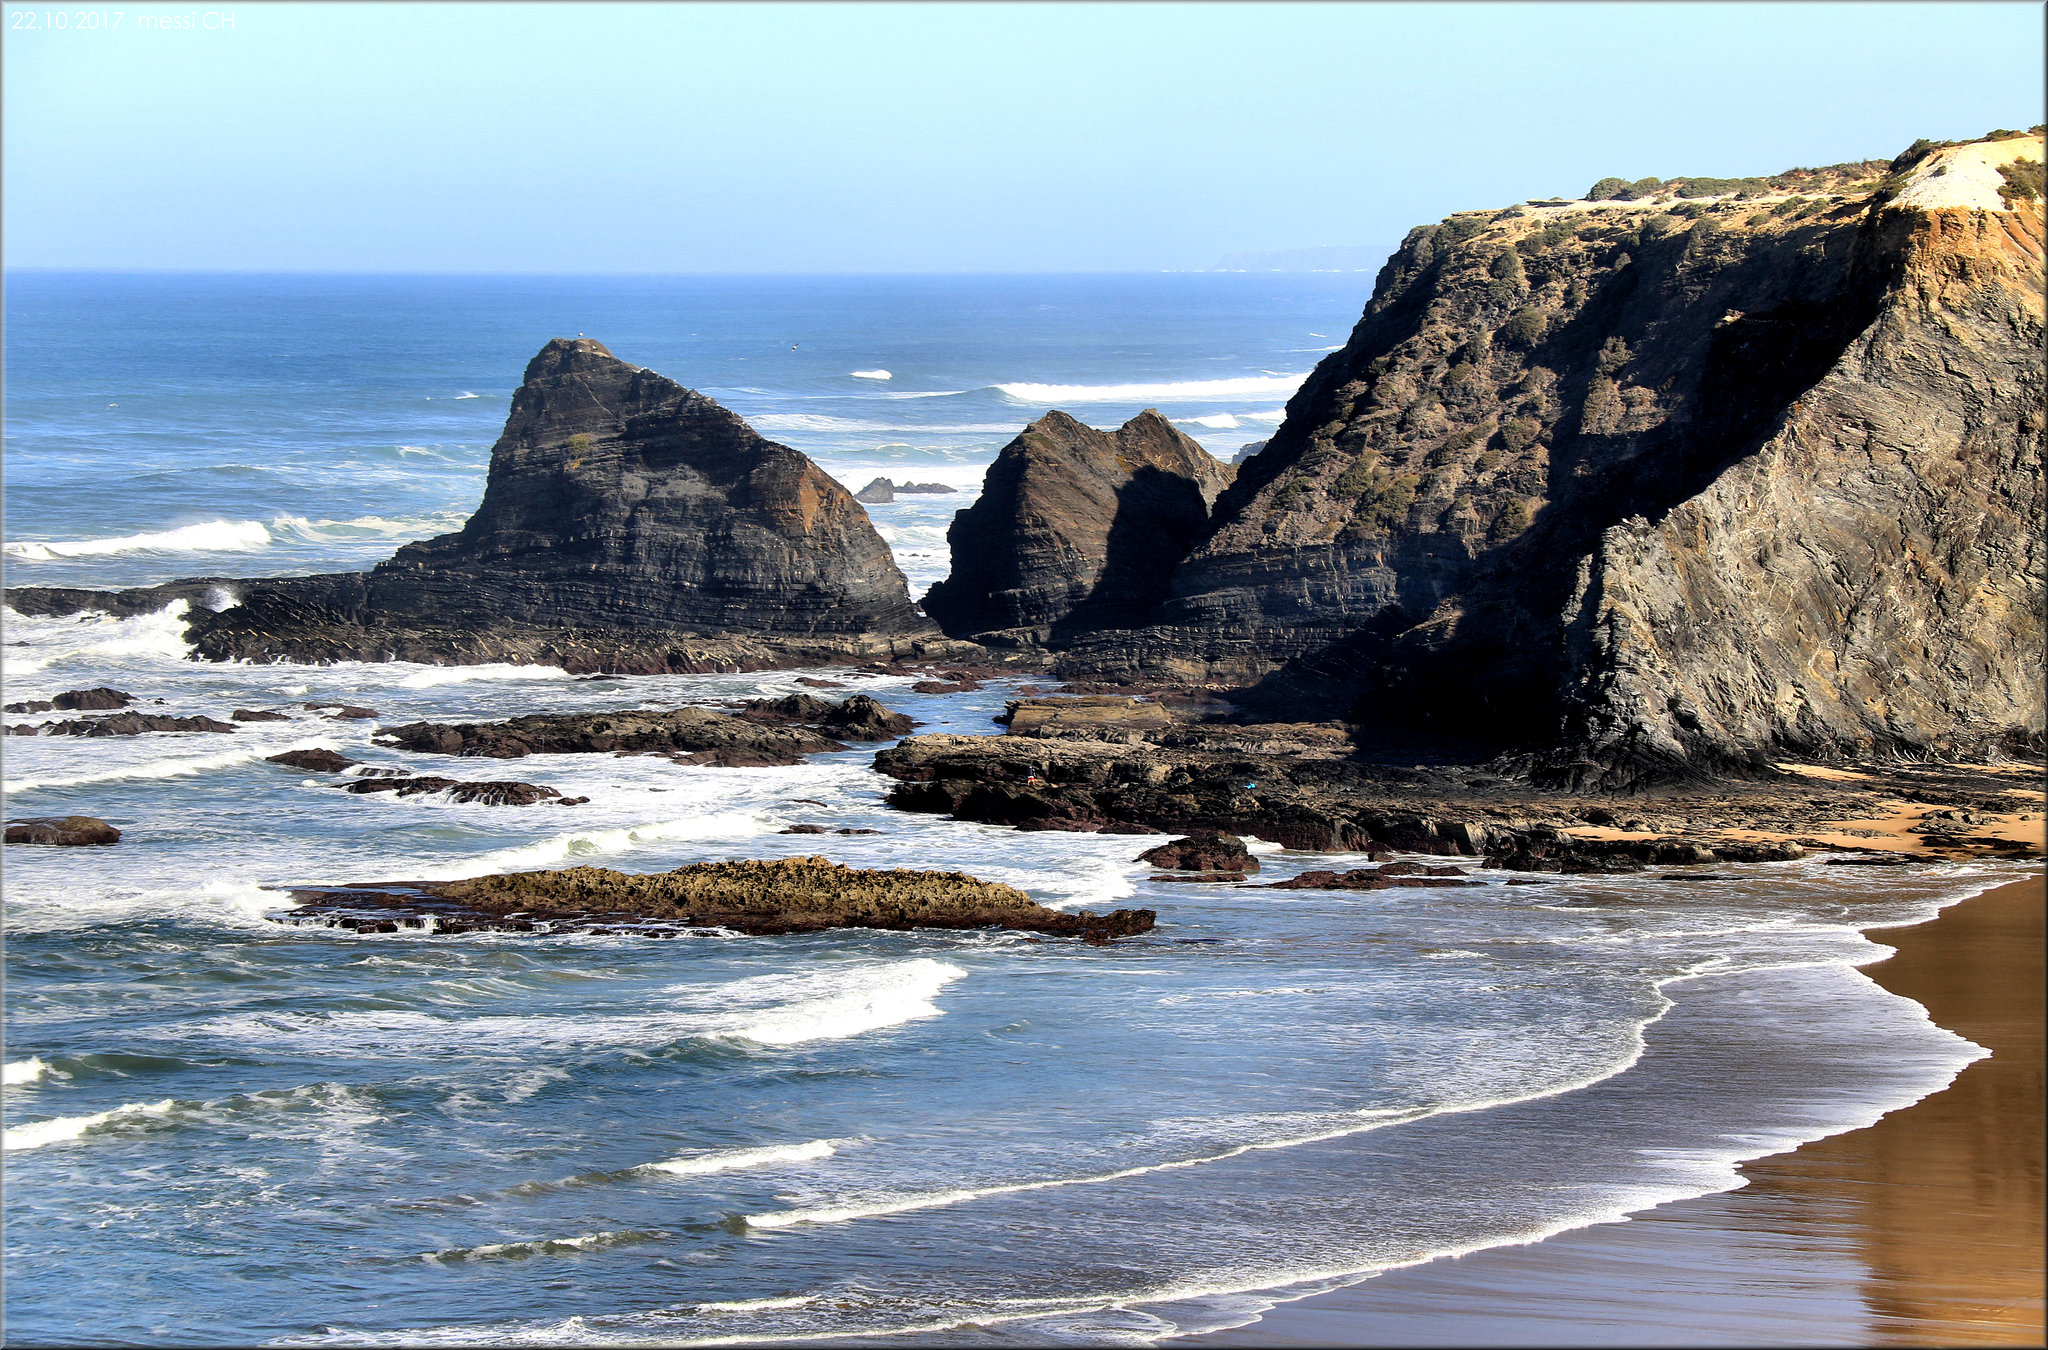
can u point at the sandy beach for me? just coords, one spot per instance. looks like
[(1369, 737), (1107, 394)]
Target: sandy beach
[(1923, 1229)]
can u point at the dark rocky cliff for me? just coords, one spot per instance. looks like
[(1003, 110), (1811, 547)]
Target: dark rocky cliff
[(1673, 484), (616, 492), (1075, 529), (627, 523)]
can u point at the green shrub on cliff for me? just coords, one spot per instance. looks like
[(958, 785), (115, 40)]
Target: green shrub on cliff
[(1524, 328), (2023, 181), (1519, 433), (1462, 227), (1621, 190), (1383, 505), (1512, 520)]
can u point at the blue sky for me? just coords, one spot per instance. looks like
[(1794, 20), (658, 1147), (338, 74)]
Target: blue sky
[(929, 137)]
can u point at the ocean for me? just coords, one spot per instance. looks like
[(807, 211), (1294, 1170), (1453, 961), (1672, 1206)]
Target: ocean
[(222, 1128)]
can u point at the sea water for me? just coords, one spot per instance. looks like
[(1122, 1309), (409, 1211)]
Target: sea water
[(221, 1128)]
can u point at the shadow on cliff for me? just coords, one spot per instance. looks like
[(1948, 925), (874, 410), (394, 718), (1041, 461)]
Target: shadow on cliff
[(1159, 517), (1492, 678)]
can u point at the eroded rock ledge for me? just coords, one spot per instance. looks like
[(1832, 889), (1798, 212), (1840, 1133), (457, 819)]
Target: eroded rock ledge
[(792, 895), (1304, 786)]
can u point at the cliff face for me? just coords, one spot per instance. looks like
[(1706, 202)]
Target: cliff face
[(618, 497), (1679, 484), (1075, 529)]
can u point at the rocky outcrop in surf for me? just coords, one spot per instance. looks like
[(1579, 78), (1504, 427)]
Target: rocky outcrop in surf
[(792, 895), (1075, 529), (628, 523), (882, 491), (69, 831), (681, 732), (1659, 486)]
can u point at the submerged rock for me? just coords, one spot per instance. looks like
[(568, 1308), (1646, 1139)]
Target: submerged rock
[(132, 724), (68, 830), (794, 895), (347, 712), (76, 700), (498, 793), (1373, 879)]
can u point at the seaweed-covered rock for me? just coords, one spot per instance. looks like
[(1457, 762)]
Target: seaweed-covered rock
[(683, 730), (793, 895)]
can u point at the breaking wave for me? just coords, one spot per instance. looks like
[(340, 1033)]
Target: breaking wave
[(872, 375), (213, 536), (239, 536), (68, 1129), (736, 1159), (25, 1071)]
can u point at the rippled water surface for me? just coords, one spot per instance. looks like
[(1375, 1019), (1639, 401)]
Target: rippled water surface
[(220, 1128)]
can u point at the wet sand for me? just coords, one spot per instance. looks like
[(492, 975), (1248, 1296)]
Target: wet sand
[(1926, 1228)]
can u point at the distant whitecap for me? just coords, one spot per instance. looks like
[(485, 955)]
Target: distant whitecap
[(872, 375), (1270, 384)]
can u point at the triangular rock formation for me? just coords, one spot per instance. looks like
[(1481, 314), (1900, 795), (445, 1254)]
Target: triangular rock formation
[(1076, 529)]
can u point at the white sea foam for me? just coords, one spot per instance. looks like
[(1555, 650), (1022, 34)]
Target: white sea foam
[(466, 394), (874, 998), (872, 375), (435, 676), (369, 527), (1215, 422), (738, 1159), (213, 536), (24, 1071), (760, 1304), (579, 845), (67, 1129), (1343, 1125), (156, 768), (1243, 386), (538, 1247), (835, 1004)]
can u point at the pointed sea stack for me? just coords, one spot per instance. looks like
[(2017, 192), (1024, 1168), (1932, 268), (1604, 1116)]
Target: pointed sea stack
[(1075, 529), (628, 524), (617, 495)]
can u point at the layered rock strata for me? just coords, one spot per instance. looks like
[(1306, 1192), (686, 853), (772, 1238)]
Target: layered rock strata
[(628, 523), (1673, 484), (793, 895), (1075, 529)]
